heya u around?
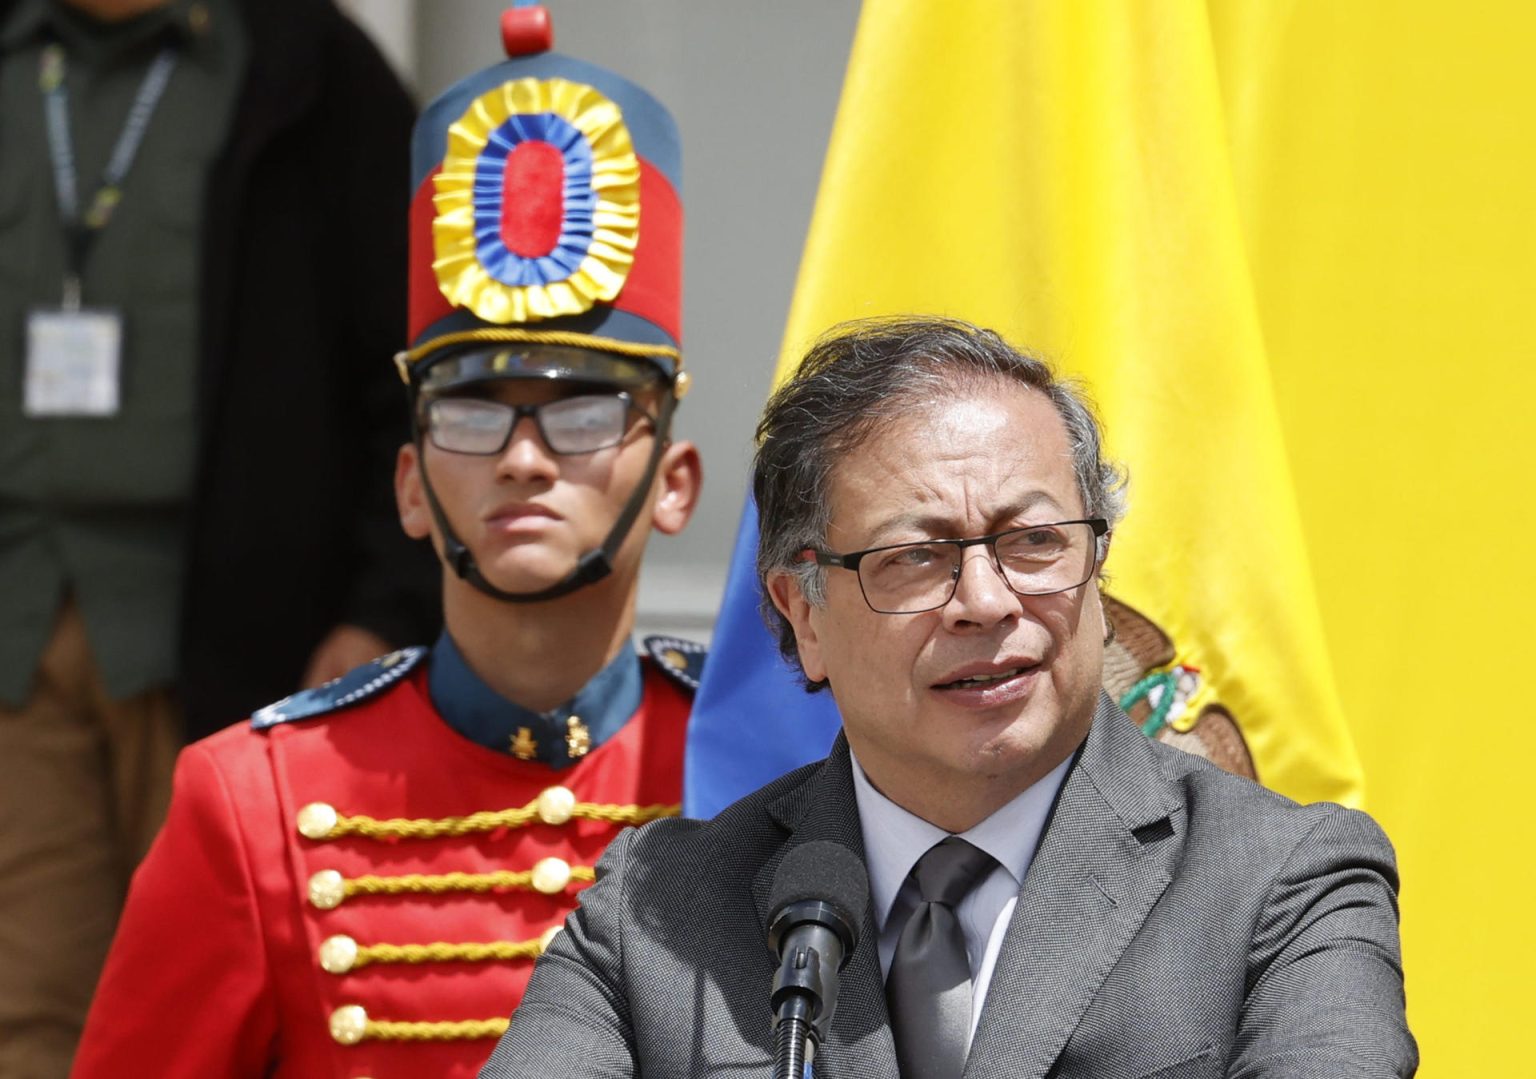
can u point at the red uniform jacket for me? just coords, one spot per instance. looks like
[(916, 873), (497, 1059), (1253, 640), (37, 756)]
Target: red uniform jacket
[(248, 949)]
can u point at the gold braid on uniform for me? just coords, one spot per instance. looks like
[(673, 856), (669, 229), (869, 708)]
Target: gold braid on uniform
[(441, 952), (328, 889), (385, 1031), (322, 823), (350, 1024), (342, 954), (454, 882)]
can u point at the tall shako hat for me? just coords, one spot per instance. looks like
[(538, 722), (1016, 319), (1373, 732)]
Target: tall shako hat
[(546, 211), (545, 242)]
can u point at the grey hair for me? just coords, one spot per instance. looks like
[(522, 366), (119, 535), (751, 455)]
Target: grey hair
[(855, 381)]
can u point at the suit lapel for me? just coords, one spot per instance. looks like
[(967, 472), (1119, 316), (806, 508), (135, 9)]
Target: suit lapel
[(858, 1045), (1106, 857)]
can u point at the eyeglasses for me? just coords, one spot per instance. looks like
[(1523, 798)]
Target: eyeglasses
[(568, 425), (1035, 560)]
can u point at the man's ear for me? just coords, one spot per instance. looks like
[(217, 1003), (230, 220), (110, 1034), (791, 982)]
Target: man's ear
[(679, 480), (410, 498), (784, 591), (1098, 590)]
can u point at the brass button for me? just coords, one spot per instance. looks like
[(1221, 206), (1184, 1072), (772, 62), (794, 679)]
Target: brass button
[(316, 820), (555, 805), (524, 745), (327, 889), (547, 936), (551, 875), (348, 1024), (338, 954), (578, 740)]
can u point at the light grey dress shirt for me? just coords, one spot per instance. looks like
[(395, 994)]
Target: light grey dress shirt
[(895, 839)]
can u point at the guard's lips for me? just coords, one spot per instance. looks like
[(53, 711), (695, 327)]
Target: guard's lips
[(514, 511), (987, 675)]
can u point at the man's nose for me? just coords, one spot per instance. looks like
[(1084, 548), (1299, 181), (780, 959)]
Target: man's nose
[(982, 597), (526, 456)]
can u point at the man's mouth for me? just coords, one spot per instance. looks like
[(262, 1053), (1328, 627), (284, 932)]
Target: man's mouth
[(519, 513), (988, 678)]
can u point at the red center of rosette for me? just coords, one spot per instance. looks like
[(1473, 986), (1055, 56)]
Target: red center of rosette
[(532, 199)]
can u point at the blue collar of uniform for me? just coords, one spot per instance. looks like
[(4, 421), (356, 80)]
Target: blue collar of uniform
[(559, 737)]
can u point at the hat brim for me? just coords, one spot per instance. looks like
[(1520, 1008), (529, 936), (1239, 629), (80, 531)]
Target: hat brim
[(460, 367)]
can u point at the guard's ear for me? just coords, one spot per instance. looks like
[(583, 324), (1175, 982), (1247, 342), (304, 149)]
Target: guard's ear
[(679, 481), (784, 591), (410, 498)]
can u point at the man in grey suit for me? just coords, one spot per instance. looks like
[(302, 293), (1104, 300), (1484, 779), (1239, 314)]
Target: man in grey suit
[(1114, 907)]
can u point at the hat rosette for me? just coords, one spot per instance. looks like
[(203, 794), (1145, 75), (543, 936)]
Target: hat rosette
[(537, 202)]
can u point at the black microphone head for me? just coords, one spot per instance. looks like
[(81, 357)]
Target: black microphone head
[(827, 873)]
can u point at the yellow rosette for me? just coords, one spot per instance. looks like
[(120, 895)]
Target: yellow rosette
[(591, 214)]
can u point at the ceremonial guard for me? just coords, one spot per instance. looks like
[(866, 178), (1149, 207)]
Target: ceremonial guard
[(357, 882)]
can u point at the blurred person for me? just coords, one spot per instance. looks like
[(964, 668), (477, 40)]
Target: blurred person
[(357, 882), (200, 274)]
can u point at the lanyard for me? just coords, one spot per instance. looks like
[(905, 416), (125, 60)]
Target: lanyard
[(80, 231)]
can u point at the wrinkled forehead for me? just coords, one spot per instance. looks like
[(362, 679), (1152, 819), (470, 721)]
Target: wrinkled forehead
[(979, 412), (966, 460), (578, 369)]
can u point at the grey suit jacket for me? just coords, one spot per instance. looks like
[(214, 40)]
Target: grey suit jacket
[(1176, 922)]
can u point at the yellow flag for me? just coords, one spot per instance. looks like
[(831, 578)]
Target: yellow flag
[(1059, 171), (1386, 171)]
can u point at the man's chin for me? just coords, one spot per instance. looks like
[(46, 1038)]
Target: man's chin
[(1026, 732), (527, 576)]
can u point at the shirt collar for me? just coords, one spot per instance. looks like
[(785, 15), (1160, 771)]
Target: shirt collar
[(559, 737), (894, 839)]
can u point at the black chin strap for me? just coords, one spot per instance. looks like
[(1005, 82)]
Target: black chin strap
[(592, 566)]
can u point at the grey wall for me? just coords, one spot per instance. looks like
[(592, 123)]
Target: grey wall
[(754, 88)]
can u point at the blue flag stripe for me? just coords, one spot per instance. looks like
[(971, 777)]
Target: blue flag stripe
[(752, 720)]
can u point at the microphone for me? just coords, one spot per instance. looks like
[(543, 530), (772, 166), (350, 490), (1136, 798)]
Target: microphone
[(818, 900)]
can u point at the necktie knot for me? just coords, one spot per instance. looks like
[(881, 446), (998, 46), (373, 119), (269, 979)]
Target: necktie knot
[(949, 869)]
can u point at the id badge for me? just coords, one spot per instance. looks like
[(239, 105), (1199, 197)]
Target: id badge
[(74, 362)]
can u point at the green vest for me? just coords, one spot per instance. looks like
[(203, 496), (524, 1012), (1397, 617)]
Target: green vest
[(95, 508)]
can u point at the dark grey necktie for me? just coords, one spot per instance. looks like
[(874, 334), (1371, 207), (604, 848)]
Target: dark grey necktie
[(928, 989)]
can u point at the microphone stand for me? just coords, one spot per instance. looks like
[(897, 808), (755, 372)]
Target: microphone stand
[(805, 987), (789, 1048), (819, 893), (794, 1006)]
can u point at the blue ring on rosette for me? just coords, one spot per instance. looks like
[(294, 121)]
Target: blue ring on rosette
[(578, 209)]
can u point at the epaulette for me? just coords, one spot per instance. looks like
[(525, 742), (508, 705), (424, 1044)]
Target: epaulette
[(356, 685), (682, 661)]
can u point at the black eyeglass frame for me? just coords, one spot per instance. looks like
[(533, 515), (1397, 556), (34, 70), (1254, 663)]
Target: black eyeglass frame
[(534, 411), (851, 560)]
